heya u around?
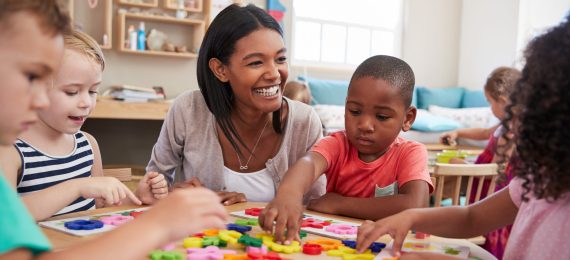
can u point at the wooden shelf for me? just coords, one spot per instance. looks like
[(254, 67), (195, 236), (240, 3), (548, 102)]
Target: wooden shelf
[(162, 53), (164, 19), (195, 26), (146, 4), (106, 6), (113, 109), (172, 5)]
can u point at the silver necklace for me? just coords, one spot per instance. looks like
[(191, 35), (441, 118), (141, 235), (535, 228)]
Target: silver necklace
[(245, 167)]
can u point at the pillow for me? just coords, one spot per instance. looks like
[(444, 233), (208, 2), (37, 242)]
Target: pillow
[(332, 116), (474, 98), (415, 97), (468, 117), (444, 97), (428, 122), (327, 92)]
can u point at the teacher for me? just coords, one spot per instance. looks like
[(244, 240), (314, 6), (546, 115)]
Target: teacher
[(237, 135)]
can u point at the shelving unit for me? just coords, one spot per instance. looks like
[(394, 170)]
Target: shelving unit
[(101, 16), (189, 5), (195, 26), (142, 3)]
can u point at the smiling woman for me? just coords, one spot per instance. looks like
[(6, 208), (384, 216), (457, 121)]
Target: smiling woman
[(237, 135)]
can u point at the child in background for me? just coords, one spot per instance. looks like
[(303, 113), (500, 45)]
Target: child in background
[(498, 87), (51, 164), (296, 90), (371, 172), (31, 47), (537, 200)]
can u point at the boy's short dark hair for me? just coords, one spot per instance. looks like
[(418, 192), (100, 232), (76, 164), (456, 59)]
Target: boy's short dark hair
[(52, 18), (394, 71)]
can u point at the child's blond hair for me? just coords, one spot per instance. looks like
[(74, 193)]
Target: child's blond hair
[(84, 44)]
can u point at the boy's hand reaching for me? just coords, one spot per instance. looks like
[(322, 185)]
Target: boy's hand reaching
[(152, 187), (286, 212), (109, 189), (397, 226)]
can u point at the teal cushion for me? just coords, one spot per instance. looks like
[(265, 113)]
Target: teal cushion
[(327, 92), (443, 97), (415, 97), (428, 122), (474, 98)]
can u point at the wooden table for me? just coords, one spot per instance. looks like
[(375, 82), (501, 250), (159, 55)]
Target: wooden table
[(61, 240)]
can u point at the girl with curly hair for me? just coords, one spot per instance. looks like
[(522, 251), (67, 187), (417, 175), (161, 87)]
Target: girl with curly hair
[(537, 200)]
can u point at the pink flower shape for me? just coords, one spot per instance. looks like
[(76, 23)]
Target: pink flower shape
[(208, 253), (116, 220), (342, 229)]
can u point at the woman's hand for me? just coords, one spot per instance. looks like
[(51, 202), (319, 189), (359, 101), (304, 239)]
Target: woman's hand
[(228, 198)]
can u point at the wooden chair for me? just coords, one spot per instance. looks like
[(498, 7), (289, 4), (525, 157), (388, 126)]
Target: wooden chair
[(473, 172)]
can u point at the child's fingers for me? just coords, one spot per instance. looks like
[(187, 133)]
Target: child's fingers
[(122, 194), (266, 219), (280, 227), (397, 245), (160, 196), (292, 231), (163, 190), (370, 236), (158, 179), (363, 231), (132, 196), (160, 184)]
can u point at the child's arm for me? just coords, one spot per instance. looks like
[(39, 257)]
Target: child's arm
[(413, 194), (287, 207), (468, 133), (183, 212), (97, 171), (153, 186), (455, 222), (44, 203)]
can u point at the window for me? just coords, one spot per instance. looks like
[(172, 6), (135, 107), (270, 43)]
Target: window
[(341, 34)]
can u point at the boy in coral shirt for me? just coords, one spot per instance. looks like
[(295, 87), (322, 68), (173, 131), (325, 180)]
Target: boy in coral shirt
[(371, 172)]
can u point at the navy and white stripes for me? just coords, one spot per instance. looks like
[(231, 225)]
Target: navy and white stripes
[(40, 171)]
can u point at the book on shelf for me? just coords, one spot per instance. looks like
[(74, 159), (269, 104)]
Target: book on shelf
[(128, 93)]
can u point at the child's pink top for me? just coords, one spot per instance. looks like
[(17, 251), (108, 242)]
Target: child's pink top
[(349, 176), (541, 229)]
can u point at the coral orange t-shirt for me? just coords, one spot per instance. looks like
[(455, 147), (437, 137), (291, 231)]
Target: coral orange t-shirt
[(349, 176)]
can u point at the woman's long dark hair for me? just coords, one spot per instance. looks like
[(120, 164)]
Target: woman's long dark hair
[(539, 116), (229, 26)]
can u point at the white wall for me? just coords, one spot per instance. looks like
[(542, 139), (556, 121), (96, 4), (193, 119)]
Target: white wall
[(431, 40), (488, 39)]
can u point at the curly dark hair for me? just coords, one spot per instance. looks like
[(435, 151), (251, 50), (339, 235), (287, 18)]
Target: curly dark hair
[(539, 116)]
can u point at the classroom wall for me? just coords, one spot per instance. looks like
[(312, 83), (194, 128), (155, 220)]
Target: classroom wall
[(488, 39)]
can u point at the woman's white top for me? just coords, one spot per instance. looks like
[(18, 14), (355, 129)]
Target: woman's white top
[(257, 186)]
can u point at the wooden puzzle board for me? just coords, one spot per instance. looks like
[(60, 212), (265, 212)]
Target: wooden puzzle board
[(316, 231), (461, 252), (59, 224)]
